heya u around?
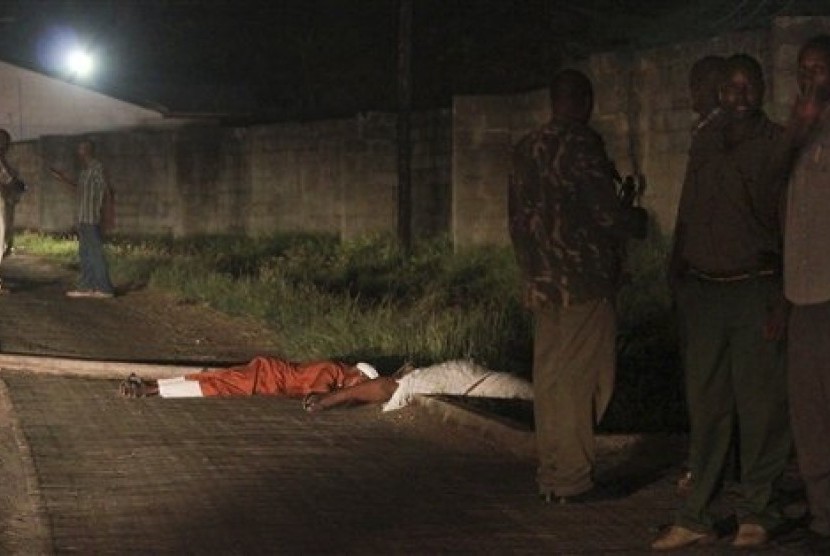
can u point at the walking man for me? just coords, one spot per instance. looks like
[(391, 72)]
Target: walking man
[(94, 280), (568, 229)]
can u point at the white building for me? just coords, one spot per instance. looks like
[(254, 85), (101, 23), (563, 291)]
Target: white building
[(33, 104)]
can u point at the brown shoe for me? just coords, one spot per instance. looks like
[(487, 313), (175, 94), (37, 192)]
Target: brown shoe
[(680, 537), (77, 294), (750, 535)]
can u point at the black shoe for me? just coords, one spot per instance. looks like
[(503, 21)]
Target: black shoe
[(807, 539), (587, 497), (818, 544)]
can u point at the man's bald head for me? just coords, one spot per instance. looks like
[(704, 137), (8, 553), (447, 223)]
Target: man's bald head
[(571, 95), (705, 79), (814, 70)]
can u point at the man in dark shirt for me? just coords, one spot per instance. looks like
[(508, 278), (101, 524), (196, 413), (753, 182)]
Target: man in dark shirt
[(705, 80), (730, 298), (568, 229)]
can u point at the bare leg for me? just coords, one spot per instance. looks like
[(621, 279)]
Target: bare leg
[(373, 391)]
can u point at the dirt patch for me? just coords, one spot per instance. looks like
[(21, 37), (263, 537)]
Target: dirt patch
[(138, 325)]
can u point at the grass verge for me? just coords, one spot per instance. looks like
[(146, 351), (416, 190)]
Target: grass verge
[(365, 299)]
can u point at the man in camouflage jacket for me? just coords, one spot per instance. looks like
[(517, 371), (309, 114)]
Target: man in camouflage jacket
[(568, 228)]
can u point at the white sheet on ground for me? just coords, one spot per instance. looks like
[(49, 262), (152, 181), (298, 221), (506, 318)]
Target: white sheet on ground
[(179, 387), (458, 378)]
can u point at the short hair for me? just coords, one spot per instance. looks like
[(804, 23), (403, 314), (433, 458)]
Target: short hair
[(88, 141), (5, 136), (746, 64), (570, 85), (708, 66), (819, 42)]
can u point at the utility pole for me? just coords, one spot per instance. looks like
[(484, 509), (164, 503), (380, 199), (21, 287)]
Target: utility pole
[(405, 124)]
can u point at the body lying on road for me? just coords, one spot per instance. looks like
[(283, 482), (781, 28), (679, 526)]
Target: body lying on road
[(325, 384), (262, 376)]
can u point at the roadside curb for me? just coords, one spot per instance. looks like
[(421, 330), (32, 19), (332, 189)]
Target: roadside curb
[(92, 368)]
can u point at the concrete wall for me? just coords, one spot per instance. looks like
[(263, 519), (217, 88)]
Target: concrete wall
[(334, 176), (33, 104), (641, 100), (340, 176)]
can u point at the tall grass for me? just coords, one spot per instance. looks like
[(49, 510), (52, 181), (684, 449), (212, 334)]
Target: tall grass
[(365, 299)]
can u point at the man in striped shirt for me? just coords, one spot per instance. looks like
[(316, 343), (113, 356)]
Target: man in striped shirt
[(94, 280)]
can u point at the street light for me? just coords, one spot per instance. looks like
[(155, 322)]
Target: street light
[(80, 63)]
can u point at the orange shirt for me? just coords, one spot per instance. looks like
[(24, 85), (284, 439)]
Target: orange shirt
[(267, 376)]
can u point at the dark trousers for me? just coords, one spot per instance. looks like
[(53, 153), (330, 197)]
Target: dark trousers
[(573, 379), (732, 373), (94, 270), (809, 369)]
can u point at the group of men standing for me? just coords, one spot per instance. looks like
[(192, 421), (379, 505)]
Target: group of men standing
[(750, 273)]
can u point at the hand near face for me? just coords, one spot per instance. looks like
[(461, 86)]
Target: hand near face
[(814, 92), (58, 174)]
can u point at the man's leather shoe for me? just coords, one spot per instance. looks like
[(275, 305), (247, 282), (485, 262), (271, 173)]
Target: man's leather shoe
[(587, 497), (679, 537), (750, 535)]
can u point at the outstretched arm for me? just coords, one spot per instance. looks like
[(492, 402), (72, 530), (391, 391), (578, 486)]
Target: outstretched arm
[(373, 391), (62, 177)]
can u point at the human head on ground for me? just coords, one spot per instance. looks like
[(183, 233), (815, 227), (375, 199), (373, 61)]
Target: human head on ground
[(86, 150), (571, 96), (5, 141), (359, 373), (705, 79), (742, 92)]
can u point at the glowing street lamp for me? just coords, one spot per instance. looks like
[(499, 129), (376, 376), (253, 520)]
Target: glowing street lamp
[(80, 63)]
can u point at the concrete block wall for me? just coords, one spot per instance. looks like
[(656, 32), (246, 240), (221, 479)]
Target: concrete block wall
[(336, 176)]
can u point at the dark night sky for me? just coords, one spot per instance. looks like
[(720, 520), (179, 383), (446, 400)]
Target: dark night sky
[(293, 59)]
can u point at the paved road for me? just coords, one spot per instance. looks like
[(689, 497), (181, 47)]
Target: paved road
[(89, 473)]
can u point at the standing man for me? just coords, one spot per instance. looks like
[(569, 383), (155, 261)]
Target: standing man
[(807, 282), (705, 80), (568, 229), (730, 298), (11, 188), (94, 280)]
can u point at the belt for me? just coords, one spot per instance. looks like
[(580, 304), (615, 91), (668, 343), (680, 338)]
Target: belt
[(711, 277)]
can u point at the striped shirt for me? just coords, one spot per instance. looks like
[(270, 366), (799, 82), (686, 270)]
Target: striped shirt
[(92, 184)]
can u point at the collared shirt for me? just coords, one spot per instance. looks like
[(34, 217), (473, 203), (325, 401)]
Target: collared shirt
[(566, 222), (707, 120), (729, 208), (92, 184), (807, 227), (6, 174)]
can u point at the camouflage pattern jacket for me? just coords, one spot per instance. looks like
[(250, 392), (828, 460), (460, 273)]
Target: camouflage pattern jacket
[(566, 222)]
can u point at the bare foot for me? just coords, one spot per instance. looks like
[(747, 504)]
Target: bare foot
[(132, 387)]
